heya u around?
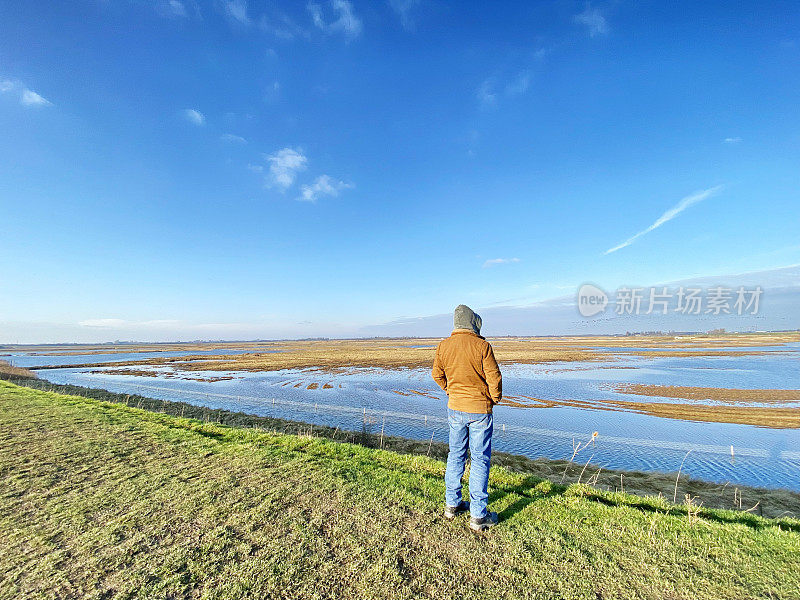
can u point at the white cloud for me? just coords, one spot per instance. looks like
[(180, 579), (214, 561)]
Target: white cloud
[(316, 14), (732, 140), (194, 116), (593, 20), (272, 92), (345, 22), (277, 24), (117, 323), (27, 97), (491, 91), (322, 186), (669, 215), (103, 323), (233, 139), (236, 10), (404, 8), (499, 261), (176, 8), (282, 27), (284, 166), (31, 98)]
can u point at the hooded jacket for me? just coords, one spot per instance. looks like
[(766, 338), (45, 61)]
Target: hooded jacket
[(465, 367)]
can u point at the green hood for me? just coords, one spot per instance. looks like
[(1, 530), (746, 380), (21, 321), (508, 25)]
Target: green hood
[(465, 318)]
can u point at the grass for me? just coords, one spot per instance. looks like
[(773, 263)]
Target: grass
[(102, 500)]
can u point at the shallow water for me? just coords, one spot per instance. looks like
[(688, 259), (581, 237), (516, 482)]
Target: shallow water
[(761, 456)]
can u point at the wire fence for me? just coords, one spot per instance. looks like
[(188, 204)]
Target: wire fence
[(371, 415)]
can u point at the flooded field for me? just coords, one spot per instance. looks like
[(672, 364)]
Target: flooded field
[(649, 408)]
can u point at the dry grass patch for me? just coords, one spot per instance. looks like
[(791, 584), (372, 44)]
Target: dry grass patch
[(706, 393), (9, 372)]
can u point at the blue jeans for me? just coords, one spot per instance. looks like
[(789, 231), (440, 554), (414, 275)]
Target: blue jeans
[(473, 431)]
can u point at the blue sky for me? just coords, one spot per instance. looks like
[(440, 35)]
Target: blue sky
[(183, 170)]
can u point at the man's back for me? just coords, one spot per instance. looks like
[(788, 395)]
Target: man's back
[(466, 369)]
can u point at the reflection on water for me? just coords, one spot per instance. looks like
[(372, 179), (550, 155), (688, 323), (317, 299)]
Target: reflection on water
[(761, 456)]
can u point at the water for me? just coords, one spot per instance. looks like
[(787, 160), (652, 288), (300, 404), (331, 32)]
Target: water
[(762, 456)]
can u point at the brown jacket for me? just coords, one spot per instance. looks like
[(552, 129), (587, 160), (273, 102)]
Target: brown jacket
[(466, 369)]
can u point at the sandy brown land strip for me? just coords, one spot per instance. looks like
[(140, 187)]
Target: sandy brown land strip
[(526, 402), (773, 417), (330, 356), (776, 418), (418, 352), (708, 352), (725, 340), (706, 393)]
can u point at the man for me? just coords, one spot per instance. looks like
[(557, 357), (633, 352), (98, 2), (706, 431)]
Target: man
[(466, 369)]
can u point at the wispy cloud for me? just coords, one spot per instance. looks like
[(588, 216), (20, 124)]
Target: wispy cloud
[(102, 322), (174, 8), (284, 165), (322, 186), (27, 97), (487, 95), (404, 9), (345, 20), (272, 92), (194, 116), (732, 140), (492, 262), (491, 90), (236, 11), (178, 9), (282, 27), (116, 323), (669, 215), (232, 139), (519, 85), (594, 21)]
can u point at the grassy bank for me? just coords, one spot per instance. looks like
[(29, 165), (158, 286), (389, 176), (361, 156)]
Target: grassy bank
[(103, 500)]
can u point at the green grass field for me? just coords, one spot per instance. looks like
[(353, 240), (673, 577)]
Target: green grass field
[(101, 500)]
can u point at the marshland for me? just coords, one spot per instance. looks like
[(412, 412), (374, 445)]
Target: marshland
[(723, 408)]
